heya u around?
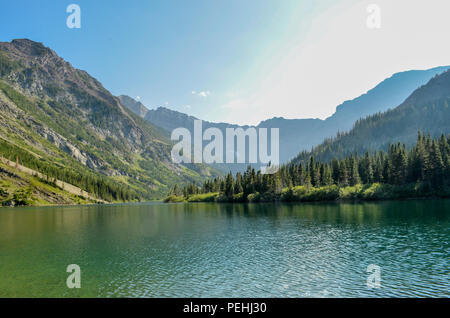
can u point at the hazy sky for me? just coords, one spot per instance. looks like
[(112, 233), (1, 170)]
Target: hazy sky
[(239, 61)]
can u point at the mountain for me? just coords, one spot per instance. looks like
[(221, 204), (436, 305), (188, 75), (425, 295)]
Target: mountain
[(136, 107), (387, 95), (303, 134), (61, 121), (426, 110), (169, 120), (297, 135)]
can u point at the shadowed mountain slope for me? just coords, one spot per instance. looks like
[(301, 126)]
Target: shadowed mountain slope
[(426, 110)]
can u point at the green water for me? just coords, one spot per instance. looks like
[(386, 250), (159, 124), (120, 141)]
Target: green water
[(211, 250)]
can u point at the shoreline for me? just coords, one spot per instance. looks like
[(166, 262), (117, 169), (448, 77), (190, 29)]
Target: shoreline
[(341, 201), (318, 202), (79, 205), (333, 193)]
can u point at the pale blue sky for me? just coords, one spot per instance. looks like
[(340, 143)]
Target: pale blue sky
[(246, 60)]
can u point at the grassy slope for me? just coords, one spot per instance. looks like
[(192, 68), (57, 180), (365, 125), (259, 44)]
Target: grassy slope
[(18, 188)]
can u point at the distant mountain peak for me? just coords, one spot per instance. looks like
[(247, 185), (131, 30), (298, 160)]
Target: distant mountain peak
[(168, 110), (388, 94), (425, 110), (135, 106), (303, 134)]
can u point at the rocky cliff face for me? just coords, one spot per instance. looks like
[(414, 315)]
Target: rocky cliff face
[(40, 72)]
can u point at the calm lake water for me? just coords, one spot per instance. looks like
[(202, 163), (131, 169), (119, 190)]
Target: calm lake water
[(211, 250)]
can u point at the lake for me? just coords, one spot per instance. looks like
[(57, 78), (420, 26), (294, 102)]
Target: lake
[(226, 250)]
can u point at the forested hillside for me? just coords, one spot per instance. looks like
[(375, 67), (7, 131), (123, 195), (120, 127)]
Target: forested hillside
[(62, 122), (401, 153), (427, 110), (422, 171)]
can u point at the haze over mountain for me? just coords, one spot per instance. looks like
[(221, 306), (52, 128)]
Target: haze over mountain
[(135, 106), (61, 121), (426, 109), (302, 134), (169, 120)]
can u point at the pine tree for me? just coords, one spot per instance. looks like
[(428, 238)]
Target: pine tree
[(366, 169), (335, 171), (343, 174), (238, 184), (314, 173), (353, 168), (229, 186), (436, 166)]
